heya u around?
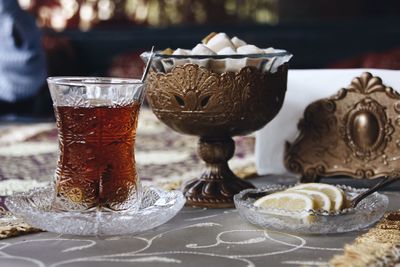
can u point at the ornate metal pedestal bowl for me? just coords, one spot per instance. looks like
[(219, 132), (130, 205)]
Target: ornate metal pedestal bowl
[(196, 100)]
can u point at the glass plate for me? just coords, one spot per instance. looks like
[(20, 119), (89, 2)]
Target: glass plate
[(368, 211), (157, 207)]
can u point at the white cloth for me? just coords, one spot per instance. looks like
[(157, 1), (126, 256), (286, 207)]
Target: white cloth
[(304, 87)]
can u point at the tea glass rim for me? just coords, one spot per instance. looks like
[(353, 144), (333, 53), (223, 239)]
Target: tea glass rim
[(92, 80)]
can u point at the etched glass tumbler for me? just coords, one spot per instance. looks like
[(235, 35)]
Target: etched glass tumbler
[(96, 122)]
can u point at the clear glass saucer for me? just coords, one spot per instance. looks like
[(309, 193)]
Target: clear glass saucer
[(367, 212), (157, 207)]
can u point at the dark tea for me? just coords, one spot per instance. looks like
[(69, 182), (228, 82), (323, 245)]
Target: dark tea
[(96, 167)]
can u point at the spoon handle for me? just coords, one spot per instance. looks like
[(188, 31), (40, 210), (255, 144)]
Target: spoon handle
[(146, 70), (386, 181)]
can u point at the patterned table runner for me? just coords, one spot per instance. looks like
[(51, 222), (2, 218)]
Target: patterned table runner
[(29, 152), (380, 246)]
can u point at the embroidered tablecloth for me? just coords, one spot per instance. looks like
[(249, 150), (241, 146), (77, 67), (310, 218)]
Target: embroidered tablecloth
[(195, 237)]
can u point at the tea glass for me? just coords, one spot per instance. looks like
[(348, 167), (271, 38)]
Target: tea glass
[(96, 121)]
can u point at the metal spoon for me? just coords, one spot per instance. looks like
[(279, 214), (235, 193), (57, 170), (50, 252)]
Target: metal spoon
[(146, 70), (386, 181)]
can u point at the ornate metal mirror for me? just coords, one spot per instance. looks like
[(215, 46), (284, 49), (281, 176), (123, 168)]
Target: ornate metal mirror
[(354, 133)]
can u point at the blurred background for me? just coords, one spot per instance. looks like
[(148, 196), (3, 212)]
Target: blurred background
[(106, 37)]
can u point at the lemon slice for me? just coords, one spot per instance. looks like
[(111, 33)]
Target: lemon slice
[(322, 200), (336, 195), (287, 201)]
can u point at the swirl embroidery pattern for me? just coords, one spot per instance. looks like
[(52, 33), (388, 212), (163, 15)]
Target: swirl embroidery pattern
[(198, 237)]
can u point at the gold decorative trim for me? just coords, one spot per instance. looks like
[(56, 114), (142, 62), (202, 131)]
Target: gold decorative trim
[(380, 246), (353, 133), (11, 226)]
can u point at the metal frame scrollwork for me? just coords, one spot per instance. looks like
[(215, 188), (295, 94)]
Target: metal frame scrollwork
[(354, 133)]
